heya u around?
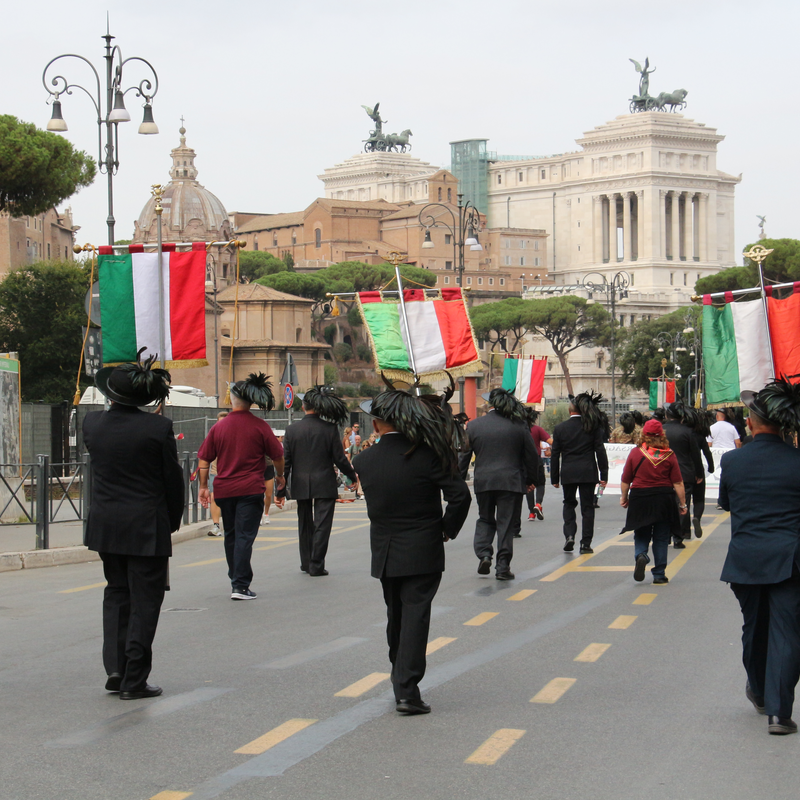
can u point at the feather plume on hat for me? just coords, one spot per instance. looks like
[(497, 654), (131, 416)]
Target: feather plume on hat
[(587, 404), (327, 404), (778, 402), (256, 389), (506, 405), (143, 378)]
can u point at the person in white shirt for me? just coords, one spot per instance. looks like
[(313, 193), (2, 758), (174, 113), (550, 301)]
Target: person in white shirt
[(723, 434)]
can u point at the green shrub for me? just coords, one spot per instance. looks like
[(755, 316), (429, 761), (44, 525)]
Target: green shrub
[(364, 352), (342, 352), (331, 375)]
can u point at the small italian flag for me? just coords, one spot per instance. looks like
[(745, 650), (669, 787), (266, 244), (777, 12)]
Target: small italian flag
[(439, 332), (129, 305), (525, 378), (735, 349), (661, 392)]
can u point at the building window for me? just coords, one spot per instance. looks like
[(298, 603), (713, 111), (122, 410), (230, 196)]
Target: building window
[(274, 239), (622, 320), (48, 251), (469, 281), (294, 237), (447, 279), (448, 239), (27, 222), (632, 279), (544, 174), (672, 279), (579, 223), (633, 318), (522, 261), (579, 248), (66, 254), (317, 238), (499, 178), (537, 262), (440, 194), (491, 281), (448, 265), (599, 361), (449, 195), (536, 244), (507, 260), (520, 176), (480, 281), (684, 278), (502, 281), (523, 243)]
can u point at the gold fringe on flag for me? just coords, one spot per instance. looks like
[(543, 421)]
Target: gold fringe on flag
[(78, 249)]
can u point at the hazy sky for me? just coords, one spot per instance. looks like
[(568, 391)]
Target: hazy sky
[(272, 91)]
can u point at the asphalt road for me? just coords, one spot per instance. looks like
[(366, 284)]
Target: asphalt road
[(572, 681)]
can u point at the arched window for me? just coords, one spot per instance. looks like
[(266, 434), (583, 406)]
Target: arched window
[(317, 237), (274, 239), (449, 195), (298, 334), (440, 194)]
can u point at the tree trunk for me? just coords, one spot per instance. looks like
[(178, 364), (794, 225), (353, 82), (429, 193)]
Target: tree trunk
[(562, 360)]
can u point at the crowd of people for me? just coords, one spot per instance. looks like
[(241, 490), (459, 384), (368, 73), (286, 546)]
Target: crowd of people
[(418, 451)]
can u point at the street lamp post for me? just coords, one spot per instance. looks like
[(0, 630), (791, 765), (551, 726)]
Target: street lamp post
[(108, 157), (464, 226), (619, 283)]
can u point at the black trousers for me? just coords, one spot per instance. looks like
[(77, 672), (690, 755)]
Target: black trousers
[(534, 497), (408, 609), (131, 607), (771, 641), (498, 513), (240, 519), (695, 500), (315, 519), (586, 492)]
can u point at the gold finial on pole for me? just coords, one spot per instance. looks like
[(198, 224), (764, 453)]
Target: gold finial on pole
[(157, 191), (757, 253), (395, 258)]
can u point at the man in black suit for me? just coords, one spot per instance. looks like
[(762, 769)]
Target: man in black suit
[(137, 501), (761, 489), (506, 467), (404, 477), (683, 443), (575, 456), (312, 446)]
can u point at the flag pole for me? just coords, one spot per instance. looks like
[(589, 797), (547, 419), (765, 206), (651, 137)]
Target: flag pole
[(158, 193), (758, 253), (394, 258)]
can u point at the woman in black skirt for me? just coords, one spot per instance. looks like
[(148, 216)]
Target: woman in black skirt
[(651, 479)]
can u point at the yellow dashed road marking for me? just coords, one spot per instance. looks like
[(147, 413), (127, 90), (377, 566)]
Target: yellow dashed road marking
[(622, 622), (592, 652), (645, 599), (495, 747), (438, 644), (364, 685), (522, 595), (554, 690), (171, 796), (83, 588), (275, 736), (203, 563), (481, 618)]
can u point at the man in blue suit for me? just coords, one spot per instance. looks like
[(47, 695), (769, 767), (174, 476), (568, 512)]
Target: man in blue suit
[(760, 486)]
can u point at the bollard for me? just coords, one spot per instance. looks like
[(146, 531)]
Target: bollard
[(42, 490)]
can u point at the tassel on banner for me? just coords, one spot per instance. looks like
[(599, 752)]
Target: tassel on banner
[(335, 311)]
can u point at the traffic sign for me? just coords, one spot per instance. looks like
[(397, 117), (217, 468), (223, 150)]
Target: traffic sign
[(288, 396)]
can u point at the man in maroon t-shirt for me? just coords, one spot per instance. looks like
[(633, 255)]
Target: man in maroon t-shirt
[(240, 443)]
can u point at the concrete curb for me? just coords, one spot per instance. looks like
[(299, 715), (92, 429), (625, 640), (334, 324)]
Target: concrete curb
[(59, 556)]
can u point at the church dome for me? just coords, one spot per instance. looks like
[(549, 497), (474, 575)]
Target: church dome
[(191, 212)]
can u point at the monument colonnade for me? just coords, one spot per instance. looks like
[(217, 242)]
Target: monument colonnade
[(669, 224)]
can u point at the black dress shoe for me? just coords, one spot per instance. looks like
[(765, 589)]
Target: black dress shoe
[(113, 682), (485, 567), (679, 545), (148, 691), (319, 573), (660, 579), (570, 545), (585, 549), (505, 576), (303, 569), (780, 726), (410, 707), (758, 702), (517, 535), (698, 528)]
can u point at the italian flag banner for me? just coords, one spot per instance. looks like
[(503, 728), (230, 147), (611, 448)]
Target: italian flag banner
[(439, 333), (661, 392), (525, 378), (129, 305), (735, 350)]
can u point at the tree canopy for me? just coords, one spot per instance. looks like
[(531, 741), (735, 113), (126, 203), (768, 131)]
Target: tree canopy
[(255, 264), (638, 358), (781, 266), (38, 169), (499, 323), (41, 314)]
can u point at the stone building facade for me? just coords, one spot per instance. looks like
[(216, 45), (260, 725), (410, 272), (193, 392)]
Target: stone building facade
[(44, 237)]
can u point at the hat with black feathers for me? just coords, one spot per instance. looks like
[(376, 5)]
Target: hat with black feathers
[(135, 384), (256, 390), (326, 403), (778, 402), (506, 405), (587, 404), (423, 419)]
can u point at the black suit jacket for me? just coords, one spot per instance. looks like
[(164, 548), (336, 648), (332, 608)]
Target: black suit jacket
[(404, 502), (683, 443), (760, 486), (310, 448), (137, 482), (575, 455), (505, 455)]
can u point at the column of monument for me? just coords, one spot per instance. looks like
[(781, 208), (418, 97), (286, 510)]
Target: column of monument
[(676, 230), (662, 225), (704, 227), (641, 213), (627, 252), (612, 229), (597, 222)]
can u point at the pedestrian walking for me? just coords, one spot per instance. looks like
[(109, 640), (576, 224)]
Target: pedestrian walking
[(579, 461), (724, 434), (405, 475), (760, 487), (697, 421), (506, 467), (625, 432), (651, 481), (683, 443), (542, 440), (137, 501), (312, 447), (240, 443)]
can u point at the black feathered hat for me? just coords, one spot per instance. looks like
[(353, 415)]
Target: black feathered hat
[(778, 402), (506, 405), (134, 384), (422, 419), (326, 403), (256, 389), (587, 404)]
